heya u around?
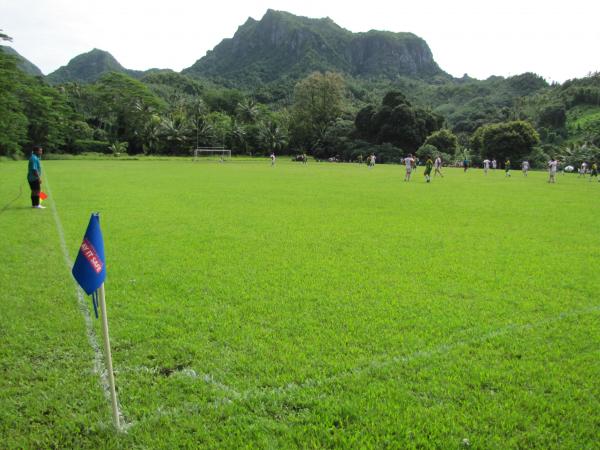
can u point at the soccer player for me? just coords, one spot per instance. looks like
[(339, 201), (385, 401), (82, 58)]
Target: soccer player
[(525, 167), (371, 160), (494, 164), (465, 164), (34, 176), (408, 162), (507, 168), (486, 165), (594, 171), (273, 159), (438, 166), (552, 166), (583, 169), (428, 167)]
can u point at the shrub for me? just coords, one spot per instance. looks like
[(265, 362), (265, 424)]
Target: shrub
[(90, 146)]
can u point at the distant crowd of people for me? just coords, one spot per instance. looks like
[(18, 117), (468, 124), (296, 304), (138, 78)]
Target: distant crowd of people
[(411, 163)]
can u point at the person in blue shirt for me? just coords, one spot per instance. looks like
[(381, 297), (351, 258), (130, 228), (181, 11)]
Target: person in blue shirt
[(34, 176)]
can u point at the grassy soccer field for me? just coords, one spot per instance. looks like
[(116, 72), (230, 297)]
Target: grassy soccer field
[(325, 305)]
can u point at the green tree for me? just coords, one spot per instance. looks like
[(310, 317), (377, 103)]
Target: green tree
[(116, 148), (239, 141), (427, 151), (247, 111), (336, 141), (318, 102), (477, 141), (513, 140), (13, 121), (444, 140), (31, 112), (151, 135), (552, 116), (396, 122), (220, 125), (48, 114), (124, 105), (223, 100), (195, 110), (176, 132), (272, 136)]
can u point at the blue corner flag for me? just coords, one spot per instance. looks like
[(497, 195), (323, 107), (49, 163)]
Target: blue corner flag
[(90, 269)]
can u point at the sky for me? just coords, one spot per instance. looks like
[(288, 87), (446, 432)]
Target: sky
[(558, 40)]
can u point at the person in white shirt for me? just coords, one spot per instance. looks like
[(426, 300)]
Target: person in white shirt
[(486, 165), (494, 164), (583, 169), (371, 161), (272, 159), (525, 167), (408, 162), (437, 165), (552, 166)]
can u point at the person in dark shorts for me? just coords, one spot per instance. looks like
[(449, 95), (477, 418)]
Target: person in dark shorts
[(507, 168), (34, 176), (465, 164), (428, 167)]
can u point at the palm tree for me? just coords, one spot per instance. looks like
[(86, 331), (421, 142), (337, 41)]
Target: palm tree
[(176, 131), (272, 136), (151, 135), (195, 109), (117, 147), (238, 136), (247, 111)]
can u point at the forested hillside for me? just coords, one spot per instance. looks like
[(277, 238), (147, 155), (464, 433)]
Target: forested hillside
[(23, 64), (290, 84), (89, 67), (272, 54)]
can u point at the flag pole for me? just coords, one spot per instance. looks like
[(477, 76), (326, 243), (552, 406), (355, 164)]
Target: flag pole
[(108, 356)]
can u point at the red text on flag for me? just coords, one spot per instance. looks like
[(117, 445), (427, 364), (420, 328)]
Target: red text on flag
[(88, 250)]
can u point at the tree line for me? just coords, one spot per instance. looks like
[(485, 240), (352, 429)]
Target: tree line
[(167, 113)]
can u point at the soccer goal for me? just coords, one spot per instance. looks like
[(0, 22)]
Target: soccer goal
[(219, 154)]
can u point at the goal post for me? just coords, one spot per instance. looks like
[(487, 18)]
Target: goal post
[(220, 154)]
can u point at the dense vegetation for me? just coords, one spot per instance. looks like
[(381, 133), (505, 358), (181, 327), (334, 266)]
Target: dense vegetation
[(350, 104)]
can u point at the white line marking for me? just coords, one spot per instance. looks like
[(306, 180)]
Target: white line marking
[(421, 354), (442, 349), (185, 372), (99, 367)]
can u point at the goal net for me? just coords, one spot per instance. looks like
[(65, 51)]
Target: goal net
[(219, 154)]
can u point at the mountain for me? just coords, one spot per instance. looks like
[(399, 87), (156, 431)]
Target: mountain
[(25, 65), (88, 67), (284, 46)]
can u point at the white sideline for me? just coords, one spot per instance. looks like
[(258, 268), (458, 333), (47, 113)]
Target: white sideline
[(186, 372), (390, 361), (361, 370), (99, 367)]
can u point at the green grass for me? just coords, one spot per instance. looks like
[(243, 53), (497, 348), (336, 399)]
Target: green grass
[(304, 306)]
